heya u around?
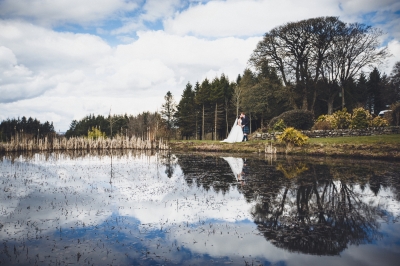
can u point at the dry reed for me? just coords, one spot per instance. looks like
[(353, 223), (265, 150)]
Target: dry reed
[(81, 143)]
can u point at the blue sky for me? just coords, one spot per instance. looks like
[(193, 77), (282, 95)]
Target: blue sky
[(63, 59)]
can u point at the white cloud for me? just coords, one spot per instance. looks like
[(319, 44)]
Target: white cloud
[(81, 74), (152, 11), (155, 9), (55, 12), (254, 18), (245, 18), (16, 80), (44, 49), (394, 49), (366, 6)]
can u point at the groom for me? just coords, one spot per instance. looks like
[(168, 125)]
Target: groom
[(245, 125)]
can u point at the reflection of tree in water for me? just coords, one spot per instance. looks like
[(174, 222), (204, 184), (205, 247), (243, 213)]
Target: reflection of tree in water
[(169, 160), (292, 170), (207, 172), (313, 214), (309, 207)]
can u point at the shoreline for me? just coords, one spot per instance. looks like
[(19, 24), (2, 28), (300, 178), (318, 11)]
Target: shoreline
[(386, 151), (373, 147)]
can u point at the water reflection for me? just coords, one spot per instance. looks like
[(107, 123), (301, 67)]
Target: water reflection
[(316, 216), (129, 208)]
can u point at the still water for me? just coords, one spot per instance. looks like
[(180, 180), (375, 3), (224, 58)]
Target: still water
[(131, 208)]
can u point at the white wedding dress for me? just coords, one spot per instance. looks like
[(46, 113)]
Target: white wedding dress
[(236, 134)]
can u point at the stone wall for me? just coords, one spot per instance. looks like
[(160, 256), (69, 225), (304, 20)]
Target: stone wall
[(371, 131)]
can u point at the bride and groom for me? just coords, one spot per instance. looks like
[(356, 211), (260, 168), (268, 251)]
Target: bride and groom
[(239, 130)]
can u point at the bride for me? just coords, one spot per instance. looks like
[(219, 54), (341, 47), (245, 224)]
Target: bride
[(236, 134)]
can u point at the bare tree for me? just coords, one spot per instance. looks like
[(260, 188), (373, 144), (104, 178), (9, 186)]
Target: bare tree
[(237, 97), (355, 47), (324, 48)]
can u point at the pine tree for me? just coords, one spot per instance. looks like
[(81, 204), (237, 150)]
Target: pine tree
[(216, 98), (168, 110), (197, 108), (185, 117), (392, 93), (362, 90), (375, 87), (202, 99)]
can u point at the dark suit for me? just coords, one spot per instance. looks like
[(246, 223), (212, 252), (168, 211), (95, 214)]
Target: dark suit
[(245, 121), (245, 124)]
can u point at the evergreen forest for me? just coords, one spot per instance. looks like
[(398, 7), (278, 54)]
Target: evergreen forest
[(29, 128)]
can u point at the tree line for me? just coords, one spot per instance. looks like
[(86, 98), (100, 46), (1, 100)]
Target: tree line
[(209, 108), (29, 128), (146, 125)]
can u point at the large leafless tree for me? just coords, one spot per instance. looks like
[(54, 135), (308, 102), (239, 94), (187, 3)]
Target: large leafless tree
[(324, 48)]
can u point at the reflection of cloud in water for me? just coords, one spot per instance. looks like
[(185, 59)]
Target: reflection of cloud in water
[(75, 200), (60, 192)]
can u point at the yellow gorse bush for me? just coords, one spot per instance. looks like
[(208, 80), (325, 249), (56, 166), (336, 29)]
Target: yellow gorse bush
[(95, 133), (379, 122), (292, 137), (359, 119), (341, 119)]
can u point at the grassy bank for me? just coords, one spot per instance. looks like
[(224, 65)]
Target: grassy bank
[(382, 146)]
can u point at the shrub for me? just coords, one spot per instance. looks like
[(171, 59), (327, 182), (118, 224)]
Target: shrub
[(360, 118), (279, 126), (292, 137), (96, 133), (272, 122), (341, 119), (323, 122), (379, 122), (299, 119), (322, 125), (388, 116), (324, 118), (395, 114)]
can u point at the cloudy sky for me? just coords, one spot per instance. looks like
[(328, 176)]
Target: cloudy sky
[(63, 59)]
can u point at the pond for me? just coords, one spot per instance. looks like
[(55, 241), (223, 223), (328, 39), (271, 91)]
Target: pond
[(135, 208)]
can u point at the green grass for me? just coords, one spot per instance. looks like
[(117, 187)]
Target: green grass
[(382, 146), (379, 139)]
